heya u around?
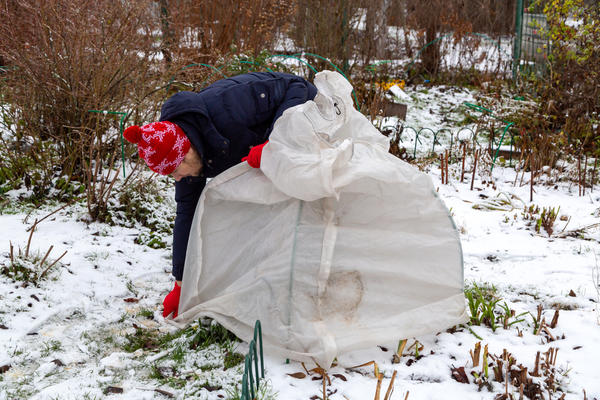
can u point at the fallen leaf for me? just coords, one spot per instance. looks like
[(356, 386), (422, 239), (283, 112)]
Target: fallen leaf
[(342, 377), (298, 375), (113, 389), (4, 368), (459, 375), (131, 300)]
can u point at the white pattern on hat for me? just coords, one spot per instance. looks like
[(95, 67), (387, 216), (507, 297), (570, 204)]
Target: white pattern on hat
[(158, 135), (164, 164), (179, 142)]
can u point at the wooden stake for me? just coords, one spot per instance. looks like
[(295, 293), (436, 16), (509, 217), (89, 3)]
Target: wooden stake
[(579, 173), (594, 174), (442, 167), (584, 174), (531, 169), (464, 156), (474, 167), (447, 161)]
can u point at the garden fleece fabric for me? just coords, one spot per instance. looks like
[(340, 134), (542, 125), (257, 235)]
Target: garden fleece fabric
[(333, 244)]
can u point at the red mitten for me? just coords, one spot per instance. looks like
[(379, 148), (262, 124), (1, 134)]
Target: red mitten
[(171, 301), (254, 155)]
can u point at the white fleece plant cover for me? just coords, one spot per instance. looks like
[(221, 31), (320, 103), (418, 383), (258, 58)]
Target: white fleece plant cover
[(333, 244)]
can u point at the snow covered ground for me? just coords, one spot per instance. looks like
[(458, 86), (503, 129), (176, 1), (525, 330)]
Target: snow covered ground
[(94, 329)]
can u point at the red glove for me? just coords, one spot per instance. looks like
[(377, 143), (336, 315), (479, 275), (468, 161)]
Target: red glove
[(171, 301), (254, 155)]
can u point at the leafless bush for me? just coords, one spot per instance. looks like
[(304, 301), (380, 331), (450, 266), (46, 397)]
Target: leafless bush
[(66, 59), (207, 32)]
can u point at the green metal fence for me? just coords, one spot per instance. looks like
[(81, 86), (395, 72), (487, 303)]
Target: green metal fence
[(531, 45), (252, 376)]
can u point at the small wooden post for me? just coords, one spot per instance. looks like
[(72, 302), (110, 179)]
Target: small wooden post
[(579, 173), (464, 155), (474, 167), (531, 169), (447, 161), (584, 174)]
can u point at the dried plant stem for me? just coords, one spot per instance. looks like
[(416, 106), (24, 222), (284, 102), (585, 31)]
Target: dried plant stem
[(536, 370), (51, 265), (401, 346), (12, 257), (29, 240), (475, 354), (378, 388), (407, 393), (46, 256), (507, 374), (390, 390), (521, 388), (552, 338), (554, 319), (52, 213)]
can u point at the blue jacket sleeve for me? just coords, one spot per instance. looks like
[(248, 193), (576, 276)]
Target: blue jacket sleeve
[(298, 92), (187, 194)]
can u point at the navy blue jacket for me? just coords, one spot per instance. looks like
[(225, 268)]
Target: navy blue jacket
[(223, 122)]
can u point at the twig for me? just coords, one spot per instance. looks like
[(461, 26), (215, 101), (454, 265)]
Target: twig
[(462, 171), (50, 266), (52, 213), (577, 231), (545, 328), (12, 258), (46, 256)]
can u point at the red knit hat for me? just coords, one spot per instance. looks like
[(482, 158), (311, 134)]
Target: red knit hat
[(163, 145)]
